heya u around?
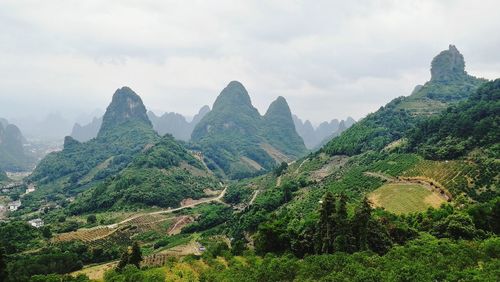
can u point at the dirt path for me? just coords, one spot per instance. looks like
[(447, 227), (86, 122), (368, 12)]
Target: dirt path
[(278, 181), (297, 170), (381, 176), (253, 197), (218, 198)]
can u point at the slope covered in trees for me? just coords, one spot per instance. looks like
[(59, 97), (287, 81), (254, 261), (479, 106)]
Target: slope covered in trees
[(239, 141), (126, 131), (449, 84), (473, 123), (161, 175)]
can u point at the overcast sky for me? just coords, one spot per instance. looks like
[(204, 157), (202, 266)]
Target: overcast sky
[(329, 59)]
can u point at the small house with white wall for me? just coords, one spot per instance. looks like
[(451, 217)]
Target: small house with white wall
[(13, 206), (37, 222)]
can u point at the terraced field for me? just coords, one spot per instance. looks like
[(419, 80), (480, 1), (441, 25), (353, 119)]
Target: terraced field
[(457, 176), (401, 198), (85, 235)]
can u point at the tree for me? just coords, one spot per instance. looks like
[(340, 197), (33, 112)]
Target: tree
[(343, 235), (123, 260), (361, 218), (91, 219), (278, 171), (3, 265), (135, 255), (326, 224), (46, 232), (287, 192)]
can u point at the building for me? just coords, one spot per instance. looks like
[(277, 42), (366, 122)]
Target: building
[(13, 206), (31, 188), (37, 222)]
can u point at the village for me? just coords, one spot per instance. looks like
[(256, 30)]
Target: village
[(7, 205)]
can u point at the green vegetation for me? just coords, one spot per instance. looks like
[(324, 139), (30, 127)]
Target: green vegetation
[(450, 261), (240, 143), (162, 175), (471, 124), (3, 177), (449, 85), (125, 132), (279, 129), (403, 198)]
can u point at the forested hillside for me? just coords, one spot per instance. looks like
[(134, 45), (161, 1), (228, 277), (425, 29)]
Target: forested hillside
[(161, 175), (449, 84), (126, 131), (471, 124), (240, 143)]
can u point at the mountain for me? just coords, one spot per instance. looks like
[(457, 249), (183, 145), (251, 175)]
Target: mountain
[(125, 131), (239, 141), (161, 175), (3, 177), (171, 123), (51, 127), (176, 124), (86, 132), (317, 137), (449, 85), (126, 107), (13, 156), (460, 129), (126, 165), (279, 129)]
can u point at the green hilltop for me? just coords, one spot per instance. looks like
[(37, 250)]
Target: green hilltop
[(240, 142), (449, 85)]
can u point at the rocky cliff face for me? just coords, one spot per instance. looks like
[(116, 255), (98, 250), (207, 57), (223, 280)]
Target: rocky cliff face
[(448, 65), (125, 106)]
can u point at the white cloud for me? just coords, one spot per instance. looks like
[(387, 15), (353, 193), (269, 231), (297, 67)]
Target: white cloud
[(330, 59)]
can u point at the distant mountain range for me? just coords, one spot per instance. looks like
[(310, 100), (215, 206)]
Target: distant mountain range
[(171, 123), (176, 124), (180, 128), (52, 127), (314, 137)]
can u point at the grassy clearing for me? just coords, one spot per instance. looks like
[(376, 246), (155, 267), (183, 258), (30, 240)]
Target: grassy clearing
[(403, 198)]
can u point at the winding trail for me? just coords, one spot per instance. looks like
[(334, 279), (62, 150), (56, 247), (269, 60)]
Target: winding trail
[(254, 197), (217, 198)]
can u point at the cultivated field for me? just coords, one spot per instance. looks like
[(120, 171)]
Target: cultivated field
[(403, 198)]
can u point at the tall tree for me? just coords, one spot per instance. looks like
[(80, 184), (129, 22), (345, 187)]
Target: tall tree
[(343, 235), (326, 224), (3, 265), (136, 255), (124, 259), (361, 218)]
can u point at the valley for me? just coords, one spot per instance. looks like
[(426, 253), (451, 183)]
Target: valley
[(240, 196)]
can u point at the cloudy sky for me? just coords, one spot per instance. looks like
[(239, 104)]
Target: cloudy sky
[(329, 59)]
